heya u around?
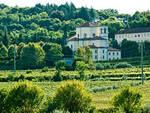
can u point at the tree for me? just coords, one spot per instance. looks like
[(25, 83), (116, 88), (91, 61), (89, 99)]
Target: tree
[(32, 56), (71, 96), (3, 94), (84, 54), (24, 98), (64, 38), (67, 51), (115, 44), (88, 55), (81, 67), (127, 100), (5, 37), (60, 65), (57, 14), (3, 51), (53, 54), (11, 50), (129, 49), (84, 14)]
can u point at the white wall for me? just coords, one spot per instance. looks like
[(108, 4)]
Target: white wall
[(138, 37)]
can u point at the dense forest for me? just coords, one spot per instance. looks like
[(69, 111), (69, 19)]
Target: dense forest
[(45, 28)]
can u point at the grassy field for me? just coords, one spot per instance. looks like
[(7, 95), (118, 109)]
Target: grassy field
[(102, 100)]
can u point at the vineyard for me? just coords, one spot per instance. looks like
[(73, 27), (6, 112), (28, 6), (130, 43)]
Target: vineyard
[(109, 74), (103, 84)]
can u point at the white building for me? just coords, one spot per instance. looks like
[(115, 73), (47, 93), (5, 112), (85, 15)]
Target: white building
[(134, 34), (96, 38)]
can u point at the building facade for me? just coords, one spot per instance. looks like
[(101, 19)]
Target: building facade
[(96, 37), (134, 34)]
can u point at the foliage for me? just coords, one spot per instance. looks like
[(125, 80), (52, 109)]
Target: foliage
[(3, 94), (84, 54), (81, 67), (32, 56), (71, 96), (99, 66), (123, 65), (146, 108), (53, 54), (127, 100), (129, 49), (3, 51), (30, 98)]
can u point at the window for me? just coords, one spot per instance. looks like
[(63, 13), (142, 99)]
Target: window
[(78, 35), (105, 30), (71, 47), (85, 35), (95, 51), (103, 57), (95, 56), (113, 53), (117, 53), (101, 30), (109, 53), (93, 35), (103, 51), (138, 35)]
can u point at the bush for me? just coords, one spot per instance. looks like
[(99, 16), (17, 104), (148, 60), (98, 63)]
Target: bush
[(3, 94), (28, 71), (99, 66), (71, 96), (123, 65), (24, 97), (57, 77), (127, 100), (45, 69), (107, 66), (146, 108)]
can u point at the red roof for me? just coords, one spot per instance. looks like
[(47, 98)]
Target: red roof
[(113, 49), (88, 24), (74, 38)]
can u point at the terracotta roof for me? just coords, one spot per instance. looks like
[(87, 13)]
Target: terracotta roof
[(93, 46), (135, 30), (113, 49), (74, 38), (88, 24)]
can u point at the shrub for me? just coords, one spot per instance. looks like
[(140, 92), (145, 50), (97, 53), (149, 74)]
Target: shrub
[(127, 100), (24, 97), (146, 108), (99, 66), (71, 96), (81, 67), (123, 65), (3, 94), (107, 66), (92, 66), (45, 69), (57, 77), (28, 71), (49, 106)]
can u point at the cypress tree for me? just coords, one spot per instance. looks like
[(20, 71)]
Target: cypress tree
[(5, 37)]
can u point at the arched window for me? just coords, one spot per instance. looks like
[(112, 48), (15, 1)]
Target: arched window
[(85, 35), (78, 35), (94, 35)]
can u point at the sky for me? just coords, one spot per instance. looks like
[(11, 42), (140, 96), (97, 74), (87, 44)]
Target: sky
[(123, 6)]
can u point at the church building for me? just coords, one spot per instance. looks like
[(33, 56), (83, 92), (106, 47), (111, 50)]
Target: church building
[(96, 37)]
